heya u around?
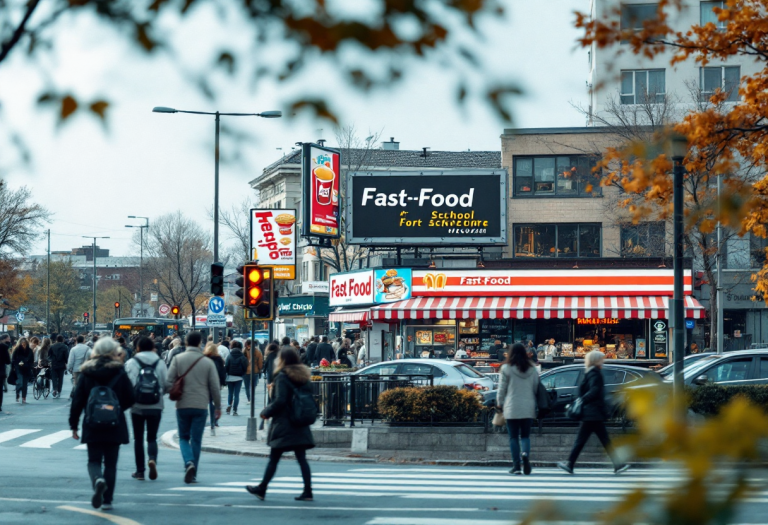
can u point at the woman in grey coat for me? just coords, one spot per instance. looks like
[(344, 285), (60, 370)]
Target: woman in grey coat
[(517, 397)]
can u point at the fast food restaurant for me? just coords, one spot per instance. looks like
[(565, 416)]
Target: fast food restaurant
[(436, 313)]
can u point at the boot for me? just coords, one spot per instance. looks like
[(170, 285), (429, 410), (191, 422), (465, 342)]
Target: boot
[(305, 496), (526, 465), (257, 491), (566, 466), (516, 470)]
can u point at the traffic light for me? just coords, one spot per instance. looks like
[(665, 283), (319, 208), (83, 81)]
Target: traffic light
[(117, 309), (85, 316), (217, 279), (256, 291), (175, 310)]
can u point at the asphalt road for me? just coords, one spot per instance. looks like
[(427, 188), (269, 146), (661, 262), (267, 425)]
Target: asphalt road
[(43, 479)]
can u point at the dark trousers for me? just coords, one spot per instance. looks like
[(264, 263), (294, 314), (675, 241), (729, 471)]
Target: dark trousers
[(585, 431), (519, 433), (2, 379), (22, 385), (274, 458), (58, 379), (152, 422), (233, 391), (105, 453)]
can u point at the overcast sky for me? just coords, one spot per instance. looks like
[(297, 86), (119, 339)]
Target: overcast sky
[(150, 164)]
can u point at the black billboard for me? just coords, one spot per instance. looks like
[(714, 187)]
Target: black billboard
[(454, 207)]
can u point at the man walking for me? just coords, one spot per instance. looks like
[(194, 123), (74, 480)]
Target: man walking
[(58, 356), (312, 352), (77, 356), (325, 351), (200, 385)]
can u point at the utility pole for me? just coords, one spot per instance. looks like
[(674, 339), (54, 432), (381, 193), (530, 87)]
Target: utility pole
[(48, 289), (93, 313), (141, 260), (719, 294)]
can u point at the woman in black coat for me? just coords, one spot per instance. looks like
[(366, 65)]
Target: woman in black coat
[(284, 436), (23, 361), (595, 412), (103, 369)]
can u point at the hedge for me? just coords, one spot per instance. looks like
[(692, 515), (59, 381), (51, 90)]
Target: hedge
[(709, 399), (434, 404)]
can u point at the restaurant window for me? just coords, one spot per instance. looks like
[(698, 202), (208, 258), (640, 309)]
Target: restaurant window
[(557, 240), (643, 87), (562, 175), (725, 78), (646, 239), (633, 15), (708, 15)]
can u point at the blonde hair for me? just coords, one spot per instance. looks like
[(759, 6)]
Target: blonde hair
[(211, 350), (594, 358), (105, 346)]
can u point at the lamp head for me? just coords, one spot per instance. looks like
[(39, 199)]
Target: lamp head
[(678, 145), (163, 109), (270, 114)]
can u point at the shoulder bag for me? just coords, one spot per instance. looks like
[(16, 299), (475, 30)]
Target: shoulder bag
[(575, 410), (177, 390)]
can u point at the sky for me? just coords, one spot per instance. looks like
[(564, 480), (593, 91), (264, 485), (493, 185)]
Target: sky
[(92, 176)]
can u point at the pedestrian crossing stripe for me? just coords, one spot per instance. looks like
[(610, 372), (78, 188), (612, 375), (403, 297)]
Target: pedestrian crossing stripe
[(46, 441), (17, 433)]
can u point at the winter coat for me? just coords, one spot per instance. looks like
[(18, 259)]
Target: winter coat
[(230, 365), (592, 393), (5, 358), (499, 351), (219, 362), (343, 359), (311, 353), (133, 368), (269, 367), (44, 356), (58, 356), (173, 353), (257, 358), (28, 358), (325, 351), (77, 356), (283, 434), (517, 392), (95, 372), (201, 384)]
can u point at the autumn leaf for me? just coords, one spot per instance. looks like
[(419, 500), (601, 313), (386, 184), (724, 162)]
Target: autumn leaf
[(99, 107), (227, 61), (68, 106), (318, 106)]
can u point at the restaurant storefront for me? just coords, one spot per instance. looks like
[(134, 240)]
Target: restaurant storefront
[(301, 316)]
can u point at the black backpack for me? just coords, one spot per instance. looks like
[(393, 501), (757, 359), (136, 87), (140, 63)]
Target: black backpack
[(237, 365), (102, 412), (147, 390), (303, 408)]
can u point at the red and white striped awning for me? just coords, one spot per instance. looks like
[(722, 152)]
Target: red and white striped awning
[(647, 307), (350, 316)]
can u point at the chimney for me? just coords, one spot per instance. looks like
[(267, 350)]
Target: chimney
[(391, 145)]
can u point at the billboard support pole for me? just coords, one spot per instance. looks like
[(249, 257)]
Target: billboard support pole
[(250, 434)]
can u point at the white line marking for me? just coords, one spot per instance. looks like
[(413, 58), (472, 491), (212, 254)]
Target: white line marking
[(433, 521), (16, 433), (304, 508), (47, 441), (84, 446), (499, 478)]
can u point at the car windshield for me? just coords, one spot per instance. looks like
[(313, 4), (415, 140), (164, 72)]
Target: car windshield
[(693, 370), (687, 362), (468, 371)]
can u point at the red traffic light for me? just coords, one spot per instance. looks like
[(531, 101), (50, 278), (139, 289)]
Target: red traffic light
[(117, 305), (85, 314), (175, 310)]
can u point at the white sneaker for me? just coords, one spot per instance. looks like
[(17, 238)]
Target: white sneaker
[(213, 431)]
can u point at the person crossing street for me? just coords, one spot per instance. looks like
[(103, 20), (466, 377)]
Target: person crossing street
[(77, 356), (58, 357)]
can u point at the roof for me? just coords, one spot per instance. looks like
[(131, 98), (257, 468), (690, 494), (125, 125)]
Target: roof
[(564, 131)]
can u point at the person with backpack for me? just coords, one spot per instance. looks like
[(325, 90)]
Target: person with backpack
[(235, 366), (192, 383), (148, 375), (293, 411), (103, 393)]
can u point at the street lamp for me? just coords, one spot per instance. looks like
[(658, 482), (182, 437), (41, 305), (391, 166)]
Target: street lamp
[(141, 263), (217, 114), (93, 314), (679, 149)]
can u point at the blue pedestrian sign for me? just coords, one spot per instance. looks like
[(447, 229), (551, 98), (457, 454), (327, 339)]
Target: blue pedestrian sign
[(690, 324), (216, 305), (20, 316), (216, 316)]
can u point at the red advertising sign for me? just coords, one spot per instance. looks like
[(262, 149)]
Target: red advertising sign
[(321, 172), (513, 283), (353, 288), (273, 240)]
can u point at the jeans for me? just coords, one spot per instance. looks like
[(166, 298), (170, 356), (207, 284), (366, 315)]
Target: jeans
[(191, 422), (22, 384), (274, 458), (58, 379), (247, 385), (152, 422), (585, 430), (212, 412), (106, 453), (233, 393), (519, 429)]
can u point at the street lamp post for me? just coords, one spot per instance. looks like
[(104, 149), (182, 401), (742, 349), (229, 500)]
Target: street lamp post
[(141, 260), (93, 313), (679, 146), (217, 115)]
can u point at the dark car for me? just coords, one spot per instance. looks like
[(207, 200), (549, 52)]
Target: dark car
[(741, 368), (563, 382)]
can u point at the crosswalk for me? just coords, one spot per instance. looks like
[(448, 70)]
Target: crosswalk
[(31, 438), (466, 484)]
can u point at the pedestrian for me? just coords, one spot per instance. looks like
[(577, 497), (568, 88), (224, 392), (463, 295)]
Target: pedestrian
[(211, 351), (224, 350), (309, 358), (58, 356), (34, 344), (269, 364), (325, 351), (148, 374), (235, 366), (176, 348), (292, 383), (199, 384), (103, 392), (23, 368), (258, 362), (518, 385), (43, 353), (594, 414), (498, 350), (77, 356), (343, 357), (5, 364), (127, 352)]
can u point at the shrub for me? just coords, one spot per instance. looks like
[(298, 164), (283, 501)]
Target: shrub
[(434, 404), (710, 399)]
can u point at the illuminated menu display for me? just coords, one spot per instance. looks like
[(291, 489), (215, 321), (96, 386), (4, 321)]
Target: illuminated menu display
[(612, 320)]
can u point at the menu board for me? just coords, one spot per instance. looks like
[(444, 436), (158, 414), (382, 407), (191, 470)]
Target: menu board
[(492, 329)]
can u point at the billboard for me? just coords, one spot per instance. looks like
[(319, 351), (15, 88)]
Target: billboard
[(351, 288), (320, 191), (453, 207), (273, 240), (391, 285)]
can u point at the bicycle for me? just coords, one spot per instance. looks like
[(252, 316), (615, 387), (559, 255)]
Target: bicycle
[(42, 384)]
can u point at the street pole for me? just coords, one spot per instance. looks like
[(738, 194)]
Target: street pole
[(216, 208), (141, 259), (250, 434), (678, 324), (48, 289), (719, 294), (93, 314)]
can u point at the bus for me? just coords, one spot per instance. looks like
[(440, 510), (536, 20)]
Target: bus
[(128, 327)]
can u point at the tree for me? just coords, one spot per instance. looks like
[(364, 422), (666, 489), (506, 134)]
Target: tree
[(724, 139), (106, 299), (20, 220), (68, 299), (179, 258), (237, 224), (15, 286)]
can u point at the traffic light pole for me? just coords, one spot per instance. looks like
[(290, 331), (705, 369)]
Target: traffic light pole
[(250, 434)]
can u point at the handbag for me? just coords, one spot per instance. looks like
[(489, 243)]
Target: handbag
[(575, 410), (498, 418), (542, 400), (177, 390)]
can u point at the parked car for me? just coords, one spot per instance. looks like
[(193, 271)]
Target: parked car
[(740, 368), (445, 372), (563, 382), (688, 361)]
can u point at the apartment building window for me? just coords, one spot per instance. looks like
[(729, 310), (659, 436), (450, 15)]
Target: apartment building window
[(646, 239), (558, 240), (321, 272), (305, 271), (744, 253), (643, 86), (725, 78), (633, 15), (708, 15), (556, 176)]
